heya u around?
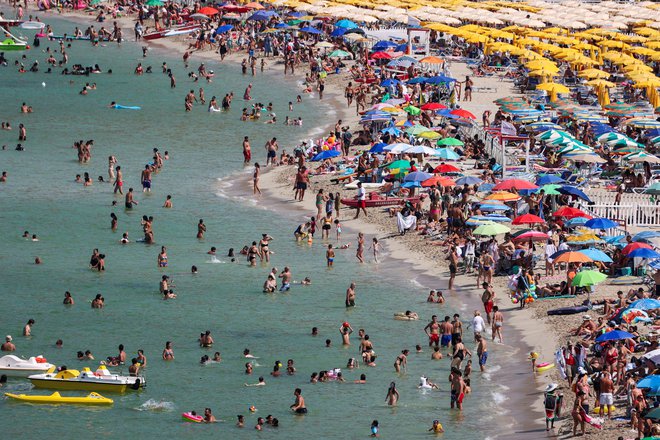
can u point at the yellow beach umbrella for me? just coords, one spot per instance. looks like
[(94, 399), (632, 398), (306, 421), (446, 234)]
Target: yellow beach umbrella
[(554, 89), (542, 64), (601, 83), (593, 74), (429, 135), (639, 67)]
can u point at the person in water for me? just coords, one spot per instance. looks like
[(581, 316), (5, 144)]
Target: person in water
[(299, 405)]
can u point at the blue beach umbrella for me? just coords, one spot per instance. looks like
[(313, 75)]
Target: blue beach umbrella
[(547, 179), (447, 154), (614, 335), (378, 148), (596, 255), (310, 30), (417, 176), (281, 26), (440, 79), (576, 221), (644, 253), (383, 45), (418, 80), (338, 32), (645, 304), (649, 382), (646, 235), (470, 180), (494, 207), (601, 223), (262, 15), (224, 28), (326, 155), (393, 131), (415, 184), (573, 191), (614, 239), (390, 82), (346, 24)]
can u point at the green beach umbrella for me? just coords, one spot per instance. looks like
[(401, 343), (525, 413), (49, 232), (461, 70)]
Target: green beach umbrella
[(628, 150), (449, 142), (339, 54), (653, 189), (411, 109), (491, 229), (416, 129), (655, 140), (154, 3), (551, 189), (588, 278), (95, 2)]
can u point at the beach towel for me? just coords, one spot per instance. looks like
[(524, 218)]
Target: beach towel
[(405, 223), (560, 362)]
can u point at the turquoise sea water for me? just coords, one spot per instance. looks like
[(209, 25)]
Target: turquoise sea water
[(70, 220)]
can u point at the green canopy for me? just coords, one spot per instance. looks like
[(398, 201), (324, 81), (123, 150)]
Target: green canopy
[(154, 3), (411, 109), (450, 141), (588, 278)]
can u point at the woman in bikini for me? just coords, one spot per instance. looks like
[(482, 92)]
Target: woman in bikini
[(401, 361)]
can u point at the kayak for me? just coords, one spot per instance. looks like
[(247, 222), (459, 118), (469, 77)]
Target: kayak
[(56, 398)]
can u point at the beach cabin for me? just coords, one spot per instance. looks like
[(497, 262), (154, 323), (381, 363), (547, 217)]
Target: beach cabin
[(418, 41)]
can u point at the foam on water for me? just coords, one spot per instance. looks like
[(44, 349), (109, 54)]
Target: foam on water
[(156, 406)]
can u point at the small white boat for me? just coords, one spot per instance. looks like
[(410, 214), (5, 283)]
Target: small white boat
[(14, 366)]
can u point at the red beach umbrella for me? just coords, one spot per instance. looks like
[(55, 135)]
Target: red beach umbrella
[(527, 219), (446, 168), (463, 114), (637, 245), (532, 236), (509, 184), (441, 180), (568, 212), (208, 11), (433, 106), (381, 56)]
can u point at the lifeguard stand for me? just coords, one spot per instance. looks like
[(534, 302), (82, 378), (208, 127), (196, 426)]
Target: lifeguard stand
[(418, 41)]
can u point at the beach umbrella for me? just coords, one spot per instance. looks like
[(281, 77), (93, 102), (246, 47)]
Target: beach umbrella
[(576, 221), (420, 149), (446, 168), (432, 60), (326, 155), (440, 79), (450, 142), (463, 113), (380, 56), (390, 82), (614, 335), (469, 180), (447, 154), (532, 236), (417, 176), (411, 185), (339, 54), (491, 229), (199, 17), (596, 255), (545, 179), (157, 3), (208, 11), (338, 32), (634, 246), (573, 191), (433, 106), (588, 278), (346, 24), (502, 196), (399, 164), (646, 235), (543, 125), (397, 148), (431, 135), (653, 414), (411, 109), (601, 223), (491, 205), (644, 253), (393, 131), (377, 148), (224, 28), (527, 219), (653, 356), (590, 158), (514, 183), (416, 130), (383, 45), (645, 304), (570, 212), (310, 30), (572, 257), (438, 180), (652, 381), (551, 189), (653, 189)]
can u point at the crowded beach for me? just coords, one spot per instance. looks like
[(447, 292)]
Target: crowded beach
[(511, 147)]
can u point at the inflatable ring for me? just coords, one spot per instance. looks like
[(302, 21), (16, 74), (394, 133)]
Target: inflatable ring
[(545, 368), (607, 410), (189, 417)]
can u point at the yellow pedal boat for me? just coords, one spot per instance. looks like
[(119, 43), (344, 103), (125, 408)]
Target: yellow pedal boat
[(56, 398)]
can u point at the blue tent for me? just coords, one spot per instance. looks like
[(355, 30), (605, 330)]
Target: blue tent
[(338, 32), (326, 155), (310, 30), (224, 28), (346, 24)]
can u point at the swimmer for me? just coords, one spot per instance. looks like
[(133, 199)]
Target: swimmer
[(361, 380), (374, 428), (246, 354), (437, 427), (345, 330), (260, 383), (401, 361), (425, 383), (168, 202)]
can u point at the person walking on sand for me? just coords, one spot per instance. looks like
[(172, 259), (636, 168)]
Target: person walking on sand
[(498, 322), (361, 200)]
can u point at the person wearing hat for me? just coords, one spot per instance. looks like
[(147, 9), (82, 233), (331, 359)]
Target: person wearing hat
[(552, 403), (586, 328), (8, 345)]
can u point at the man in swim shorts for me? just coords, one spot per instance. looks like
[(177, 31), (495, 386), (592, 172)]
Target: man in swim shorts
[(286, 280), (146, 179), (432, 330), (446, 328), (457, 389), (482, 352), (299, 406), (606, 394)]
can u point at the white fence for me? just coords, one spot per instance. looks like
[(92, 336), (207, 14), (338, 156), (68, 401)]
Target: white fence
[(632, 215), (600, 197)]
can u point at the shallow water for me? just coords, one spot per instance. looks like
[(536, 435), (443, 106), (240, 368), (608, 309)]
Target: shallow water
[(71, 220)]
